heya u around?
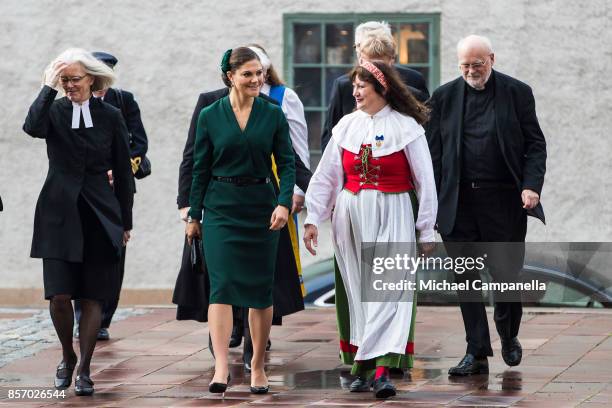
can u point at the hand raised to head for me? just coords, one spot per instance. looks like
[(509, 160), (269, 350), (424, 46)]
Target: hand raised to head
[(52, 74)]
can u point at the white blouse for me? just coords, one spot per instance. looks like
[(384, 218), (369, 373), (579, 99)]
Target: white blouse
[(298, 131), (388, 131)]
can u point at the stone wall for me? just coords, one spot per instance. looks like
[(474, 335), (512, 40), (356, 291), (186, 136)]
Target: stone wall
[(169, 52)]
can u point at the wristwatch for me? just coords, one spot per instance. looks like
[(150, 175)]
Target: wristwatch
[(191, 220)]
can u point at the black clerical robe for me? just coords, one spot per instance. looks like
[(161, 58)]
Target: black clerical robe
[(78, 163)]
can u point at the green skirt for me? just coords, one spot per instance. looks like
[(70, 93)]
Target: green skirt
[(239, 247), (365, 368)]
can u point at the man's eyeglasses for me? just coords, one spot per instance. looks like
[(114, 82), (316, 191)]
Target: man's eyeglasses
[(475, 65), (74, 80)]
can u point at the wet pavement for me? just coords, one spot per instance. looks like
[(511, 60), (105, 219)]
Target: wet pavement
[(154, 361), (24, 332)]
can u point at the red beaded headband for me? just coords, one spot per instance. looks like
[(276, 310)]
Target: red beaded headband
[(373, 69)]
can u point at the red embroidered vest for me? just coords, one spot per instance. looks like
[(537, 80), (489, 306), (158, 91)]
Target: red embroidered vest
[(389, 174)]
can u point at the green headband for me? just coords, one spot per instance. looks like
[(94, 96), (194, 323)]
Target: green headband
[(225, 64)]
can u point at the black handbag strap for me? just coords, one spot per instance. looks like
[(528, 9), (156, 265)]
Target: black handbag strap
[(122, 108), (121, 102)]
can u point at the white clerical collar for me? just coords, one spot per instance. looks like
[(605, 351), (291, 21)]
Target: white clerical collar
[(265, 89), (76, 114)]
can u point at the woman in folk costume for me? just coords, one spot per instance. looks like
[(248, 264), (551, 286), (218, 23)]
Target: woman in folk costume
[(375, 167)]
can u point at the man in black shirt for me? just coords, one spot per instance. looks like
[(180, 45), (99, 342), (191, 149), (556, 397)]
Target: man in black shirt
[(489, 157), (481, 158)]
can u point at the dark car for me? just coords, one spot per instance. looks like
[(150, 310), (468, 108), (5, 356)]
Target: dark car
[(575, 275)]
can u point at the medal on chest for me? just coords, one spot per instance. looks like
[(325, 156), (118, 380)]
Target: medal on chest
[(379, 139)]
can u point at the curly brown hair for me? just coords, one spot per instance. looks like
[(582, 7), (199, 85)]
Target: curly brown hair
[(398, 96)]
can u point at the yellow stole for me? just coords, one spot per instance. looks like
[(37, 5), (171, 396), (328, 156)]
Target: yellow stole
[(293, 234)]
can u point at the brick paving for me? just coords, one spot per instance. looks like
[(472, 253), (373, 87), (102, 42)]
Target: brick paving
[(24, 332), (154, 361)]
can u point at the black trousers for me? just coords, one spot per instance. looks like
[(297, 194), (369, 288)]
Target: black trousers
[(110, 306), (489, 215)]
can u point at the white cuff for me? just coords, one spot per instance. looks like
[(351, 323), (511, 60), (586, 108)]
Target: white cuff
[(311, 220), (427, 236)]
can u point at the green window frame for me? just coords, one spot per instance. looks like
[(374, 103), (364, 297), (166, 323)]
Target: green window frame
[(321, 23)]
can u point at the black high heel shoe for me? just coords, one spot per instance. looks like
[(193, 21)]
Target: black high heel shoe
[(219, 388), (259, 389), (63, 375)]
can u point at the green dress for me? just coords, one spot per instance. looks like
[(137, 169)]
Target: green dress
[(239, 247)]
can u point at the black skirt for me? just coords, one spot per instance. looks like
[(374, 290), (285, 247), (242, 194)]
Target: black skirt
[(97, 277)]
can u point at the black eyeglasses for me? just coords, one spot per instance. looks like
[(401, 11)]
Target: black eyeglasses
[(475, 65), (74, 80)]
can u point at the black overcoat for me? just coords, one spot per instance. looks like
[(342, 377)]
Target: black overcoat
[(342, 102), (519, 135), (192, 289), (139, 142), (78, 163)]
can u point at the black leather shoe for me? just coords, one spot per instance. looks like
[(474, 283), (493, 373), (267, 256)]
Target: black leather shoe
[(236, 338), (360, 384), (219, 388), (383, 388), (470, 365), (103, 334), (63, 375), (512, 352), (83, 385)]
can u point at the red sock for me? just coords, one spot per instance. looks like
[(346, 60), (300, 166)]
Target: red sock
[(380, 371)]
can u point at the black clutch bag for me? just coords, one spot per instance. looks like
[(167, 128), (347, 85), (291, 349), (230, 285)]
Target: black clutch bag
[(144, 169), (142, 163), (197, 256)]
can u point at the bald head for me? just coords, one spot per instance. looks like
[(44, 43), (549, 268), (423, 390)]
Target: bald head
[(475, 42), (476, 58)]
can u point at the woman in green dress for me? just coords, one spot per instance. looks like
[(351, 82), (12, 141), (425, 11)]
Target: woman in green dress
[(242, 214)]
